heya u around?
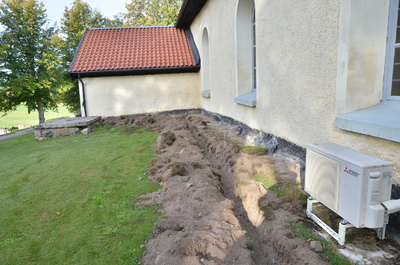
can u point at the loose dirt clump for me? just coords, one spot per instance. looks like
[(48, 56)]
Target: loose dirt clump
[(218, 198)]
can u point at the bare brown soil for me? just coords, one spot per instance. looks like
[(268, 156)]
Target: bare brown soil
[(215, 212)]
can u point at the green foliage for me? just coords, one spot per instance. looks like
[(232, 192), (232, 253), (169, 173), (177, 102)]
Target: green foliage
[(268, 212), (268, 178), (69, 94), (253, 150), (250, 244), (152, 12), (74, 23), (72, 200), (28, 58), (197, 165), (287, 188)]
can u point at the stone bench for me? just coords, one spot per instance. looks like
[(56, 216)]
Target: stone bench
[(66, 127)]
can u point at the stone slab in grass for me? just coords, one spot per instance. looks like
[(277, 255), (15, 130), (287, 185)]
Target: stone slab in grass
[(66, 127)]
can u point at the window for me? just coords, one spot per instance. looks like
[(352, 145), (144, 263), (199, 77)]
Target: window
[(254, 48), (205, 65), (246, 66), (392, 68)]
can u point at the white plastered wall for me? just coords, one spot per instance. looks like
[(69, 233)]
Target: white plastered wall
[(296, 58), (361, 61), (124, 95), (362, 45), (316, 59)]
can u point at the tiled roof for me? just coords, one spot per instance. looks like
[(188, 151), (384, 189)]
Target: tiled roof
[(141, 49)]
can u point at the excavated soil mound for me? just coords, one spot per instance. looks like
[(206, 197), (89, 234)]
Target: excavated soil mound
[(211, 203)]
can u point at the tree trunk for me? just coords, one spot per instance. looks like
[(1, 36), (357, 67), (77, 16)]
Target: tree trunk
[(41, 114)]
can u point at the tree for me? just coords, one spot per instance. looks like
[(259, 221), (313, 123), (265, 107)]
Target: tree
[(27, 58), (73, 25), (152, 12)]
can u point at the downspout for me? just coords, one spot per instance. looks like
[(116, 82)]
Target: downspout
[(83, 94)]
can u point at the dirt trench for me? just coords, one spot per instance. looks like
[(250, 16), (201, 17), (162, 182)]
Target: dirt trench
[(214, 210), (211, 202)]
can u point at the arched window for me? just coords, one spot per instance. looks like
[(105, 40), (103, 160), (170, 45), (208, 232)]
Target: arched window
[(246, 59), (205, 64)]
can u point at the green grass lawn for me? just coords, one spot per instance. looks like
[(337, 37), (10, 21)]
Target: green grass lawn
[(72, 200), (21, 116)]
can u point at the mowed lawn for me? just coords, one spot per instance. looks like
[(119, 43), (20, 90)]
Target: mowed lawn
[(72, 200), (21, 116)]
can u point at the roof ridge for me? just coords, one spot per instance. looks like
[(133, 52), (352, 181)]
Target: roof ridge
[(139, 27)]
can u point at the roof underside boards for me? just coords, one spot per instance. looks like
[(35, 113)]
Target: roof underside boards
[(188, 12), (135, 51)]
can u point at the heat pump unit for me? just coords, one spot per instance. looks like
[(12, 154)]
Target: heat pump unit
[(354, 185)]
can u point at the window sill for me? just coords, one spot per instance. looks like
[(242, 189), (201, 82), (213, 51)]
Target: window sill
[(206, 94), (247, 99), (382, 121)]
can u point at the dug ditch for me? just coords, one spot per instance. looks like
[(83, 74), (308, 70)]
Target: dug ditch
[(215, 212)]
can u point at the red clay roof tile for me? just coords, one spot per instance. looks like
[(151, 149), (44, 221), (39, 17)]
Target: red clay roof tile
[(133, 48)]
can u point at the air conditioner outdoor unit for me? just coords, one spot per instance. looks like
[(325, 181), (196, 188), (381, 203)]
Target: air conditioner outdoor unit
[(354, 185)]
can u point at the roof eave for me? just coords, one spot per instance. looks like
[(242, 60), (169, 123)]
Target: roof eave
[(143, 71), (189, 10)]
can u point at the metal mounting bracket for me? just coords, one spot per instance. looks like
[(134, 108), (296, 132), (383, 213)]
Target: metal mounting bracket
[(343, 225)]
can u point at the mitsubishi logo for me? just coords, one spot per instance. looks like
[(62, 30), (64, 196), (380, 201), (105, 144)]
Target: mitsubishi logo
[(351, 172)]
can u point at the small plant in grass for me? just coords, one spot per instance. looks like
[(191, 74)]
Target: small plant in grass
[(249, 244), (151, 120), (197, 165), (216, 133), (268, 179), (329, 253), (287, 188), (253, 150), (177, 169), (180, 171), (268, 212)]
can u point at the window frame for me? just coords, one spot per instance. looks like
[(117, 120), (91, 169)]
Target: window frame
[(254, 48), (206, 71), (391, 45), (246, 57)]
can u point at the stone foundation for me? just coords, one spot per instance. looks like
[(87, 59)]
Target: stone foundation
[(66, 127)]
